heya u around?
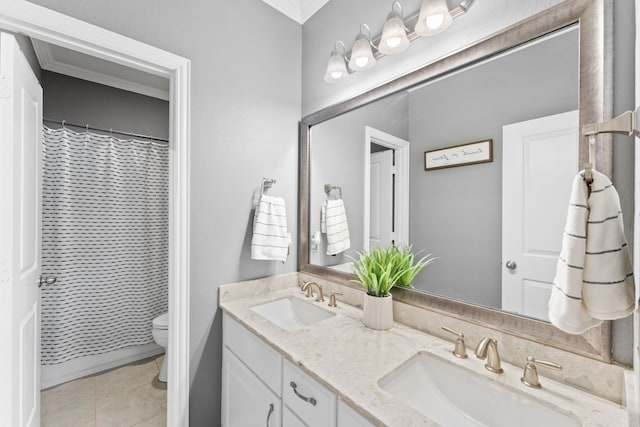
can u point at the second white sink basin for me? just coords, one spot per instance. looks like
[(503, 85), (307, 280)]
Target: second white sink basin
[(457, 397), (292, 313)]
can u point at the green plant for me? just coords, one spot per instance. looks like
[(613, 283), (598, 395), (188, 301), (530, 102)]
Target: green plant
[(403, 260), (379, 269)]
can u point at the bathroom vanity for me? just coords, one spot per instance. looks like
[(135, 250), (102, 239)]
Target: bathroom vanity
[(292, 361)]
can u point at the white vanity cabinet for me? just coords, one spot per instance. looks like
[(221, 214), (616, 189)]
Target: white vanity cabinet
[(246, 401), (308, 399), (260, 387), (251, 379)]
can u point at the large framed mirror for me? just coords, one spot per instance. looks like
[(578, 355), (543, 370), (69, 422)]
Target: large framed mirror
[(554, 67)]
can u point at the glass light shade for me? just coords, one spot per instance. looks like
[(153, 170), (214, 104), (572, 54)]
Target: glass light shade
[(336, 68), (434, 17), (361, 54), (394, 36)]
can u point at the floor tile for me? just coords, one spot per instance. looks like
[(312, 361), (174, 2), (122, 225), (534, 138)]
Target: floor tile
[(132, 407), (127, 396), (120, 380), (157, 421), (77, 393)]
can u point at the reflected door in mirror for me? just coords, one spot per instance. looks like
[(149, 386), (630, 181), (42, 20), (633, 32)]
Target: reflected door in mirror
[(540, 159)]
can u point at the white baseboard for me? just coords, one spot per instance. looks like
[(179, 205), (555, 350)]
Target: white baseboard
[(53, 375)]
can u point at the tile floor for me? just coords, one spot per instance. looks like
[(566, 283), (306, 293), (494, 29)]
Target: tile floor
[(127, 396)]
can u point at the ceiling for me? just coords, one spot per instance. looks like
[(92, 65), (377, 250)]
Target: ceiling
[(298, 10), (75, 64)]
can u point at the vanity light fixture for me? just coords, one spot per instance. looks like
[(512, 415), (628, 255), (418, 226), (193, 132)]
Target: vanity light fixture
[(394, 33), (434, 17), (337, 66), (362, 52)]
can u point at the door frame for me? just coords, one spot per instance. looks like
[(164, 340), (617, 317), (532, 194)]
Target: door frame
[(35, 21), (401, 148)]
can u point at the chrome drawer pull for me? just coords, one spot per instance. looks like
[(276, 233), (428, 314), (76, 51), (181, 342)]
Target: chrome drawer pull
[(270, 412), (311, 400)]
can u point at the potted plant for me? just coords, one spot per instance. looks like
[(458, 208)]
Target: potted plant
[(378, 270), (404, 261)]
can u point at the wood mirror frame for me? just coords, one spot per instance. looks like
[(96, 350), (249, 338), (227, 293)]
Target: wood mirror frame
[(595, 20)]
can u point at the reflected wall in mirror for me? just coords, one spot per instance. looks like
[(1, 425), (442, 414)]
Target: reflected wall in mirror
[(550, 67), (456, 213)]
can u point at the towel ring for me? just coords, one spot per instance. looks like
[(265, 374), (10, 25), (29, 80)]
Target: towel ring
[(328, 188), (266, 182)]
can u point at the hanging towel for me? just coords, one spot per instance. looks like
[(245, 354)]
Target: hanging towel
[(333, 222), (270, 239), (594, 277)]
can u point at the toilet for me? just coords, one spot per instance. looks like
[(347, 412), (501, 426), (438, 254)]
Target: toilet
[(160, 334)]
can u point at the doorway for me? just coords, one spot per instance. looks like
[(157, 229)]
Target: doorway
[(40, 23), (386, 189)]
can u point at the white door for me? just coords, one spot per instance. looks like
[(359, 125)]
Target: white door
[(381, 190), (540, 160), (246, 400), (20, 237)]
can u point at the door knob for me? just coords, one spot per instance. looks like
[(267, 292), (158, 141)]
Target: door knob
[(47, 280), (511, 265)]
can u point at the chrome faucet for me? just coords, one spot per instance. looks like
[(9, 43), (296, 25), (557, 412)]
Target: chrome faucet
[(308, 288), (488, 349)]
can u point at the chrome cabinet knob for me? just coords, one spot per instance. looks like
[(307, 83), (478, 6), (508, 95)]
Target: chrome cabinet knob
[(511, 265)]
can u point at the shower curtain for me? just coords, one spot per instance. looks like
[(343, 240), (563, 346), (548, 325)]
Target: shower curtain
[(105, 238)]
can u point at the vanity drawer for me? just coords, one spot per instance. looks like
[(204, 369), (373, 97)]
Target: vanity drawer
[(263, 360), (307, 398)]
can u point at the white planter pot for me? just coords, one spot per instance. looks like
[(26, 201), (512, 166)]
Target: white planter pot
[(377, 312)]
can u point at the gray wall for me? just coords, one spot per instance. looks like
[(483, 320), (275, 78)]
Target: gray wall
[(456, 213), (245, 106), (340, 20), (337, 154), (83, 102)]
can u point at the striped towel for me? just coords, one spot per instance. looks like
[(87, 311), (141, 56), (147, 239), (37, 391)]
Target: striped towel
[(594, 277), (333, 222), (270, 239)]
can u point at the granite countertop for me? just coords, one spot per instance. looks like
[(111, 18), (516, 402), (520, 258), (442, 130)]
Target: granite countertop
[(349, 358)]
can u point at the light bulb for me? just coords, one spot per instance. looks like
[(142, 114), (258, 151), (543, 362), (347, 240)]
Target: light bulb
[(335, 75), (435, 21), (362, 61), (361, 54), (434, 18), (393, 42)]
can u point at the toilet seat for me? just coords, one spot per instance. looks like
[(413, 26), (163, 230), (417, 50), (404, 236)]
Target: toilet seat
[(161, 322)]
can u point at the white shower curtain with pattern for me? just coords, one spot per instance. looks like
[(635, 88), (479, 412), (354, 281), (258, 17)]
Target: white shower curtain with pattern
[(105, 238)]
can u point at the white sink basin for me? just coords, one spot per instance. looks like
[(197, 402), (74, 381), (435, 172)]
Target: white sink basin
[(292, 313), (457, 397)]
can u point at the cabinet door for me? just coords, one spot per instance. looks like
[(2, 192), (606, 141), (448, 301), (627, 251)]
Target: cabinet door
[(289, 419), (348, 417), (246, 401)]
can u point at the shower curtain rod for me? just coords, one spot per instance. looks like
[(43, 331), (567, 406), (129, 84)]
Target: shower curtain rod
[(110, 131)]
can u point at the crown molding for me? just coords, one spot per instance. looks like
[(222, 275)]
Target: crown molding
[(298, 10), (48, 61)]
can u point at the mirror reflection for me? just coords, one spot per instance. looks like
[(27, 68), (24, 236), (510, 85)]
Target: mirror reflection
[(495, 227)]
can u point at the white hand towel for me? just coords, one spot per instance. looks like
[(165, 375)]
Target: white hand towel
[(270, 239), (333, 222), (594, 277)]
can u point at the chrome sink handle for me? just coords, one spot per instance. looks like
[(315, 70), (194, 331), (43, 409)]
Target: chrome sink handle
[(460, 349), (530, 375), (311, 400)]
